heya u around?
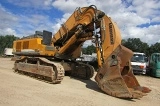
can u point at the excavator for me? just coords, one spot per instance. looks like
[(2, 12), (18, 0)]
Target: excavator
[(49, 57)]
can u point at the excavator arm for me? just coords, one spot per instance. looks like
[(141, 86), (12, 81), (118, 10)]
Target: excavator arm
[(50, 60), (115, 76)]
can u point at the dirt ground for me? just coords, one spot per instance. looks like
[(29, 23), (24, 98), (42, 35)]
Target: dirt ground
[(20, 90)]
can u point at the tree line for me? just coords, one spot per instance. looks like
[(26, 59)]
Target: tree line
[(134, 44)]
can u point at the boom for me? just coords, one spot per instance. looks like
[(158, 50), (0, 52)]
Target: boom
[(83, 25)]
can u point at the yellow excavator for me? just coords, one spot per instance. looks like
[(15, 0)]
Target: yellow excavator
[(49, 57)]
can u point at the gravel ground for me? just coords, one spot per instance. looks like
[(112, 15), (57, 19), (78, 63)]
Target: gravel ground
[(20, 90)]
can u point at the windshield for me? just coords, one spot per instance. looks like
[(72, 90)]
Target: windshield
[(138, 58)]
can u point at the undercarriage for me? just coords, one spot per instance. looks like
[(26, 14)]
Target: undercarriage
[(52, 71)]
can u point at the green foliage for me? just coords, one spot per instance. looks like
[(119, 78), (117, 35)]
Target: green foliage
[(155, 48), (89, 50), (6, 42), (136, 45)]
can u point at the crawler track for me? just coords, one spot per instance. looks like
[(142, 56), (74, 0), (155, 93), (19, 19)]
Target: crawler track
[(83, 71), (40, 68)]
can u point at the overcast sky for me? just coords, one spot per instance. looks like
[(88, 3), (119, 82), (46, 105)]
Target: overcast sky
[(135, 18)]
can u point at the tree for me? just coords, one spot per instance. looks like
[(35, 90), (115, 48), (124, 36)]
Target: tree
[(6, 42), (136, 45), (155, 48), (89, 50)]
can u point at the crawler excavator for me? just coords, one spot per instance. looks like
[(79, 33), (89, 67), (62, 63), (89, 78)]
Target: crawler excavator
[(50, 57)]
